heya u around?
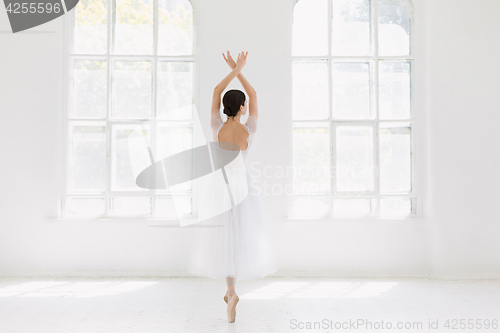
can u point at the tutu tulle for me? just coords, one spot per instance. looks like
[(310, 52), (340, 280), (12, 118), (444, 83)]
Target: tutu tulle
[(235, 243)]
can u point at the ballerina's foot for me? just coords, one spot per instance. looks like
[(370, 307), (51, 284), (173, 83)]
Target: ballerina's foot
[(231, 307)]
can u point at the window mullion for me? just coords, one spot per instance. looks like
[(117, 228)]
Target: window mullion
[(67, 73), (108, 109), (343, 57), (330, 110), (376, 96), (108, 164), (155, 57), (154, 113)]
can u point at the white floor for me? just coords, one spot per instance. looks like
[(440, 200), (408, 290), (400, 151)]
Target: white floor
[(266, 305)]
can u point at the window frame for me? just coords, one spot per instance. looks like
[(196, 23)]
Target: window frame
[(67, 121), (415, 119)]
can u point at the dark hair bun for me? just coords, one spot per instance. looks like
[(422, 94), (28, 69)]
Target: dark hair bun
[(233, 100), (227, 111)]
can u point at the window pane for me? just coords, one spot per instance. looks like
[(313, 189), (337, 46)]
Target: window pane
[(353, 207), (130, 155), (351, 90), (173, 140), (395, 206), (395, 157), (133, 27), (354, 157), (175, 27), (311, 159), (310, 90), (310, 207), (88, 206), (89, 89), (90, 30), (351, 27), (394, 23), (88, 158), (166, 206), (130, 205), (175, 90), (394, 89), (132, 89), (310, 28)]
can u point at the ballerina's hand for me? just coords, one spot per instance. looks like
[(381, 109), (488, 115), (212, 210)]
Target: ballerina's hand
[(229, 60), (242, 60)]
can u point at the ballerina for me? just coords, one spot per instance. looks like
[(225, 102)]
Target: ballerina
[(240, 248)]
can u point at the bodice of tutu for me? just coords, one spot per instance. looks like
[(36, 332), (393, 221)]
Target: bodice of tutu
[(216, 124)]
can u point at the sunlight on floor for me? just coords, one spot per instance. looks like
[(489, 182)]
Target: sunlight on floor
[(319, 290), (71, 289)]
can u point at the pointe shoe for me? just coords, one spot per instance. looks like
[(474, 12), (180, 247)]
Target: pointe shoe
[(231, 308), (225, 297)]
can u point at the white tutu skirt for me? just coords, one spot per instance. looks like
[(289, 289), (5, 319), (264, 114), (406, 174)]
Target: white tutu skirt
[(234, 243)]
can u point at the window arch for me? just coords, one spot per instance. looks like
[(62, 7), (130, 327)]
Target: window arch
[(354, 114), (130, 83)]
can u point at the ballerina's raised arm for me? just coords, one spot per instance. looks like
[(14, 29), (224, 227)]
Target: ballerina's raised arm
[(242, 59), (252, 94)]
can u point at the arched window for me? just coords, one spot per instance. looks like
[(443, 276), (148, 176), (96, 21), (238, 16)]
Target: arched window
[(354, 114), (130, 85)]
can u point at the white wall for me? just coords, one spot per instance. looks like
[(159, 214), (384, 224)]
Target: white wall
[(459, 154)]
